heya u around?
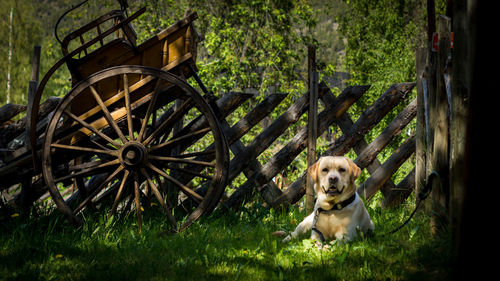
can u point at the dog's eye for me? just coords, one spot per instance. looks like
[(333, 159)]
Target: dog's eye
[(325, 170), (341, 170)]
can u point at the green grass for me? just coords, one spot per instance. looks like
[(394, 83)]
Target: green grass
[(235, 246)]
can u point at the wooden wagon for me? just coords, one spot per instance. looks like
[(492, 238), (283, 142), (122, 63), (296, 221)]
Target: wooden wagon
[(131, 132)]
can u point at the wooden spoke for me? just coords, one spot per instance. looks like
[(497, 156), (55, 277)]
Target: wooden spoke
[(181, 138), (149, 111), (84, 149), (137, 201), (78, 180), (91, 128), (195, 154), (159, 197), (181, 160), (88, 170), (188, 191), (170, 121), (107, 114), (98, 189), (119, 194), (86, 165), (126, 91), (99, 145)]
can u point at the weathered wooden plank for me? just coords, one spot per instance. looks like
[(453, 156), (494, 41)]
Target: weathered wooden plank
[(399, 194), (420, 170), (253, 117), (10, 110), (268, 136), (254, 166), (440, 148), (241, 127), (32, 87), (11, 131), (373, 184), (15, 171), (224, 106), (370, 153), (370, 117), (459, 116), (312, 124)]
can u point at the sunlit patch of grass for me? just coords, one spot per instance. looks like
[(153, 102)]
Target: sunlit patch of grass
[(231, 246)]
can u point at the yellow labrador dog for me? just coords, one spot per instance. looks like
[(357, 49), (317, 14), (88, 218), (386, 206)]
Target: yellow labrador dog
[(339, 212)]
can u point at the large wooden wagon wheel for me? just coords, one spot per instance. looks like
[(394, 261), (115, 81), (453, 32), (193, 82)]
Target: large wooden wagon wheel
[(135, 137)]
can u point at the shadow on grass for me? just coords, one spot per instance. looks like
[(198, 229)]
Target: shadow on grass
[(237, 246)]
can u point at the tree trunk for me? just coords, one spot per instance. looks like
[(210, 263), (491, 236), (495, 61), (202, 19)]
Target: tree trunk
[(9, 59)]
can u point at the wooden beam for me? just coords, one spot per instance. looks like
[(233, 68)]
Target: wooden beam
[(440, 148), (312, 124), (9, 111), (421, 143), (370, 117), (268, 136), (243, 125), (373, 184), (401, 191), (394, 128)]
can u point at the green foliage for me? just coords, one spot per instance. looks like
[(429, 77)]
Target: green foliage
[(253, 45), (24, 33), (381, 40)]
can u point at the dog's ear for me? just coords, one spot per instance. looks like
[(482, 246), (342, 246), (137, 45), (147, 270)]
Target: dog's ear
[(354, 170), (313, 171)]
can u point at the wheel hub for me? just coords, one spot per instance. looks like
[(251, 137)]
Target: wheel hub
[(133, 155)]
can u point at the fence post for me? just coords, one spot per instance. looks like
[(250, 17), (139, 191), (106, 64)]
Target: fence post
[(33, 84), (440, 148), (312, 123)]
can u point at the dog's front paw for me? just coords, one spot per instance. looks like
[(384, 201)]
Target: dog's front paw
[(322, 246), (318, 244), (287, 239)]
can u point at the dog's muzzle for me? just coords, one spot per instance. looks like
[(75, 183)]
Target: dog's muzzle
[(333, 189)]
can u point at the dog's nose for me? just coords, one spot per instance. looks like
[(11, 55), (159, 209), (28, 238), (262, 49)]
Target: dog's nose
[(333, 180)]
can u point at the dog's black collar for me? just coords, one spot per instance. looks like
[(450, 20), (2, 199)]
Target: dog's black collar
[(336, 207), (340, 205)]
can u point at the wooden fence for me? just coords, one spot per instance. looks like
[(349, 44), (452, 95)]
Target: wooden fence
[(259, 177)]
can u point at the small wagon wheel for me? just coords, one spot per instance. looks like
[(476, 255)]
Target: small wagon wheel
[(135, 133)]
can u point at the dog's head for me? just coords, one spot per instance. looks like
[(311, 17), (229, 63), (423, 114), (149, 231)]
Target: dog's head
[(334, 178)]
